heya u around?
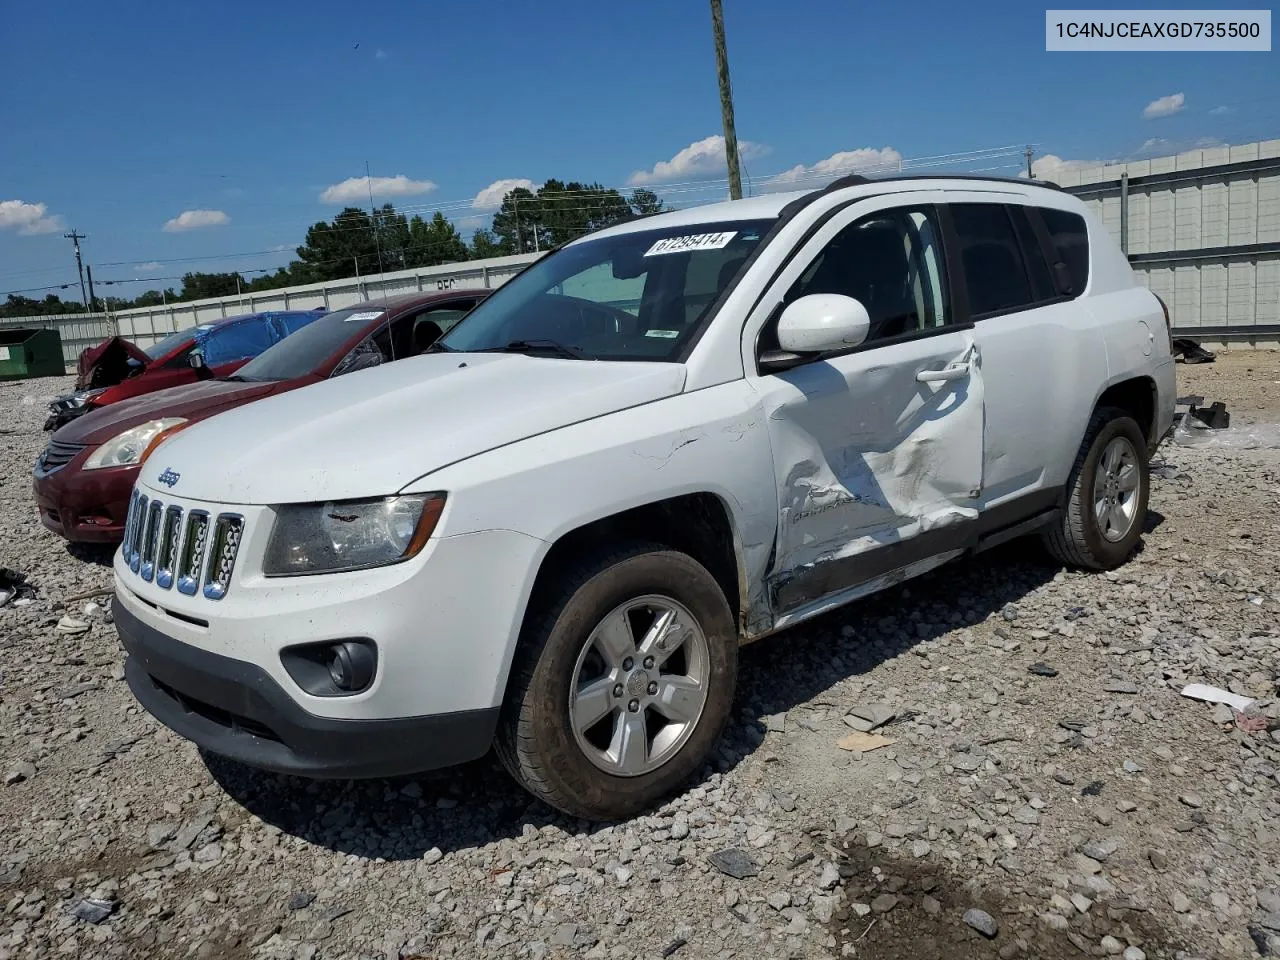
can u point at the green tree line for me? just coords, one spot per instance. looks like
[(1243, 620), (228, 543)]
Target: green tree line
[(359, 243)]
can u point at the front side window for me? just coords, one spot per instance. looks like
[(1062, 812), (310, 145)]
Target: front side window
[(991, 259), (235, 341), (892, 263), (641, 295)]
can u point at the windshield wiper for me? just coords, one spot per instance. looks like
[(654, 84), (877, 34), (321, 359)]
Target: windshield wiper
[(538, 346)]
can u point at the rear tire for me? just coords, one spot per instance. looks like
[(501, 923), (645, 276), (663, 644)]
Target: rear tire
[(600, 729), (1106, 495)]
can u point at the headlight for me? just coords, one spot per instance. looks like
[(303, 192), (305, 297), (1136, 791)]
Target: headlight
[(73, 401), (132, 446), (349, 534)]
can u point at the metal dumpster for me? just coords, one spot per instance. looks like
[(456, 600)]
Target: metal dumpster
[(30, 352)]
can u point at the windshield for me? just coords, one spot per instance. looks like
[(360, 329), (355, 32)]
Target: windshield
[(302, 352), (169, 343), (633, 296)]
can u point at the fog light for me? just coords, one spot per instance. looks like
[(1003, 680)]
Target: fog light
[(351, 666), (332, 668)]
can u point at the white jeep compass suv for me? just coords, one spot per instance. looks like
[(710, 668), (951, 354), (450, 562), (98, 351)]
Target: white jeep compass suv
[(551, 532)]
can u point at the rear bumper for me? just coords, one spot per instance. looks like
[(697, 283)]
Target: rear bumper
[(86, 506), (236, 709)]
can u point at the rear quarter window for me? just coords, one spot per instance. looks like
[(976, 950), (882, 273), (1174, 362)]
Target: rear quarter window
[(1070, 236)]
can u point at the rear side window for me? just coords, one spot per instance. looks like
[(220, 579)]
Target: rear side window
[(991, 259), (1070, 238)]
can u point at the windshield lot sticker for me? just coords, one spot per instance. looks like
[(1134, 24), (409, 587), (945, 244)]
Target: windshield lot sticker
[(367, 315), (697, 241), (663, 334)]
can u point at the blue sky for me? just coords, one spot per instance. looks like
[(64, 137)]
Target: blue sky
[(229, 122)]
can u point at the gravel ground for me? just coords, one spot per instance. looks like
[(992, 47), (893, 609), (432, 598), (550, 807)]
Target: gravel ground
[(1082, 809)]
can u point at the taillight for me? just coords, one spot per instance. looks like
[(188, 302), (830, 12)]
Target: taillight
[(1168, 324)]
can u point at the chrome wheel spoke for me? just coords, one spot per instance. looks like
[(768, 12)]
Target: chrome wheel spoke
[(630, 745), (679, 699), (613, 638), (1101, 508), (593, 703), (1128, 478), (663, 638)]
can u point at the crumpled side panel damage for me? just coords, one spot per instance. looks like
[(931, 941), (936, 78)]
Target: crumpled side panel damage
[(869, 463)]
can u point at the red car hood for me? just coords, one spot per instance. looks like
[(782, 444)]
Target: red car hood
[(194, 401), (106, 364)]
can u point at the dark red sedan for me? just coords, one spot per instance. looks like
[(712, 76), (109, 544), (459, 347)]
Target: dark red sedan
[(118, 369), (83, 477)]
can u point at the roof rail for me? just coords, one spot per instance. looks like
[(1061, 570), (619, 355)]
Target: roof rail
[(855, 180)]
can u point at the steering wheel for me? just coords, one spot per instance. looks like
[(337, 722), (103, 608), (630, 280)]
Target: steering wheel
[(609, 316)]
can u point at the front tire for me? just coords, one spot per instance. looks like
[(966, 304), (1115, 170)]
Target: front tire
[(1106, 495), (623, 682)]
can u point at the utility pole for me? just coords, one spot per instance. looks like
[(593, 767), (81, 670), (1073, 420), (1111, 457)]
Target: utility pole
[(1029, 173), (515, 212), (75, 238), (89, 270), (726, 101)]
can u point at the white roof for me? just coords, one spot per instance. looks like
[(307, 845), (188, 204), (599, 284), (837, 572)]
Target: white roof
[(770, 205)]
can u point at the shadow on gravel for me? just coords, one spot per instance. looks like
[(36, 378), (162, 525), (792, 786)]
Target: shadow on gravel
[(98, 554), (919, 910), (478, 803)]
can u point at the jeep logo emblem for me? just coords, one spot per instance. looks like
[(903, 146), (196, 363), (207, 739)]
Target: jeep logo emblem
[(169, 477)]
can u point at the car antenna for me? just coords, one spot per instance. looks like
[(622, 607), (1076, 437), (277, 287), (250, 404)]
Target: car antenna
[(382, 277)]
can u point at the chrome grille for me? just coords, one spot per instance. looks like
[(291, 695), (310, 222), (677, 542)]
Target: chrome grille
[(135, 540), (167, 552), (224, 544), (57, 455), (192, 554), (150, 534), (187, 548)]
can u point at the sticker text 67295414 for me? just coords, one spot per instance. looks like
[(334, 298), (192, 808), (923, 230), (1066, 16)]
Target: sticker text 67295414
[(697, 241)]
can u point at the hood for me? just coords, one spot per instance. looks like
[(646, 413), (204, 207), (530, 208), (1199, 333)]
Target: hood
[(371, 432), (108, 363), (191, 400)]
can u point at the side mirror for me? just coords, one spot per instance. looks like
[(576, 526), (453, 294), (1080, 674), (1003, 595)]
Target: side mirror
[(822, 322), (196, 359), (133, 363)]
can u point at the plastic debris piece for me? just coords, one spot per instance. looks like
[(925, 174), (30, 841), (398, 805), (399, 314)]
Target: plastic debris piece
[(1041, 669), (91, 910), (868, 716), (71, 625), (1193, 432), (863, 742), (734, 863), (1202, 691)]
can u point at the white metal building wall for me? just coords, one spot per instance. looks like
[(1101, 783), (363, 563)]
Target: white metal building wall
[(147, 325), (1192, 220)]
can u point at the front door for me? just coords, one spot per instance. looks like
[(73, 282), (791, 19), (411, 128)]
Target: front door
[(878, 451)]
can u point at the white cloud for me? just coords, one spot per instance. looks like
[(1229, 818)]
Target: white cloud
[(491, 196), (1051, 167), (1164, 106), (356, 189), (1152, 144), (195, 219), (381, 54), (1219, 111), (28, 218), (862, 160), (151, 266), (701, 158)]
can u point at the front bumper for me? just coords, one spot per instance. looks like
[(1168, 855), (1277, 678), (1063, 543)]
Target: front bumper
[(237, 710), (85, 506)]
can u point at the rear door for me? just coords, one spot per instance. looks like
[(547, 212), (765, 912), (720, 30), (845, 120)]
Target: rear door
[(877, 450)]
